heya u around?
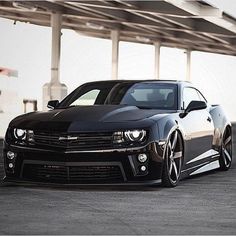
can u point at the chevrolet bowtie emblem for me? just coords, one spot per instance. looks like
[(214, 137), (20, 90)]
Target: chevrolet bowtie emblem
[(67, 138)]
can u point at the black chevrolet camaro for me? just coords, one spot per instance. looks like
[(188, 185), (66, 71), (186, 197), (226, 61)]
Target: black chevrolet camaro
[(119, 132)]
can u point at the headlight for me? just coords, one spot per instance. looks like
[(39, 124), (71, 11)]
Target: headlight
[(135, 135), (23, 135), (129, 136), (20, 134)]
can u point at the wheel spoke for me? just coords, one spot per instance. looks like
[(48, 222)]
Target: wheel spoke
[(224, 159), (171, 167), (174, 155), (177, 155), (174, 140), (175, 170), (227, 155), (227, 141)]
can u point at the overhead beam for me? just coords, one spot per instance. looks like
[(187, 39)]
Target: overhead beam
[(179, 23), (144, 7), (139, 9), (195, 8)]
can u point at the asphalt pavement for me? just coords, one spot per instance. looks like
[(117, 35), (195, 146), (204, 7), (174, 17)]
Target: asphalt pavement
[(204, 204)]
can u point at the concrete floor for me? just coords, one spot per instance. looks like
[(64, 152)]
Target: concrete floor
[(205, 204)]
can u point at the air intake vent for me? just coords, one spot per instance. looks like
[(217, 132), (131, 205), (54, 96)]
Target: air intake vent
[(73, 174)]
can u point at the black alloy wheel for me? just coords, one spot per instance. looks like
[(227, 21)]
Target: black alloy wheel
[(225, 159), (173, 160)]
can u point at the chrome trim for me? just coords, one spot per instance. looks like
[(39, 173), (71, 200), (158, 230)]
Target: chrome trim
[(161, 142), (67, 138), (109, 150), (50, 107), (83, 151)]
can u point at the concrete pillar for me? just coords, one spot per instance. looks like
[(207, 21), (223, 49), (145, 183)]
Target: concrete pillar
[(56, 47), (115, 53), (157, 46), (55, 90), (188, 68)]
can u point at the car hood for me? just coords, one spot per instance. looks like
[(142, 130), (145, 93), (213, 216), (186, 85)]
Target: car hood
[(84, 117)]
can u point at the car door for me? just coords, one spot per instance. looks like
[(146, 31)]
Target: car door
[(198, 128)]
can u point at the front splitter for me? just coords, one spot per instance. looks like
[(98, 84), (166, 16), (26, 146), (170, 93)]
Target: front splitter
[(9, 181)]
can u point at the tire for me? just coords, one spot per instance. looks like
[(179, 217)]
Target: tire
[(173, 160), (225, 159)]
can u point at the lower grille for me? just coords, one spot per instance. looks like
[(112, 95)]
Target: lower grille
[(73, 174)]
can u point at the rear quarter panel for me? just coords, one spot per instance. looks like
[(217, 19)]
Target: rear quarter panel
[(220, 121)]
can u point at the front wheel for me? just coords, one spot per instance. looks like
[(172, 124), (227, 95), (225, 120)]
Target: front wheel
[(173, 160), (225, 159)]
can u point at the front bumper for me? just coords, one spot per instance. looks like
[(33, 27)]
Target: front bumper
[(116, 167)]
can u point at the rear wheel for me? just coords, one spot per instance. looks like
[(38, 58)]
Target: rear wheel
[(173, 160), (225, 159)]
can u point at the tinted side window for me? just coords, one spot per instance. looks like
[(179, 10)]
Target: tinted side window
[(190, 94)]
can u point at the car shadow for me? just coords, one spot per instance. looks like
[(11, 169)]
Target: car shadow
[(97, 188)]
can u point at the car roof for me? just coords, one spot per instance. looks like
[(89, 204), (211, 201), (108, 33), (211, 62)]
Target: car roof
[(145, 81)]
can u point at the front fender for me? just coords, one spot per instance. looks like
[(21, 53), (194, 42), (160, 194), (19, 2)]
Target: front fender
[(166, 127)]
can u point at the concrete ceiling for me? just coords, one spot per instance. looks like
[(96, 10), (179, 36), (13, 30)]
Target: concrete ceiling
[(194, 25)]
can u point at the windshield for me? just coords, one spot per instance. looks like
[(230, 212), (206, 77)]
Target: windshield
[(153, 95), (147, 95)]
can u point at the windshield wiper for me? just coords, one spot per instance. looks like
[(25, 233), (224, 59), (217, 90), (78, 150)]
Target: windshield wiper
[(140, 107), (65, 107), (144, 107)]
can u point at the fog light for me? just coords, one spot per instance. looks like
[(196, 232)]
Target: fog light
[(11, 155), (142, 158), (143, 168), (11, 165)]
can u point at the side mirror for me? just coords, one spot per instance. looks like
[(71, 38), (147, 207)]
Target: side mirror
[(194, 106), (53, 104)]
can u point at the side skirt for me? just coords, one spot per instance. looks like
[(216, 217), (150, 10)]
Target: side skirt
[(208, 165)]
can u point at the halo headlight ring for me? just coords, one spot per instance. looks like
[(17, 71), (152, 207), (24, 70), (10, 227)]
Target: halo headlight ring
[(135, 135), (20, 134), (23, 135)]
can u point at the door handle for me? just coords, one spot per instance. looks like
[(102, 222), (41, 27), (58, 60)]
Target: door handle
[(208, 119)]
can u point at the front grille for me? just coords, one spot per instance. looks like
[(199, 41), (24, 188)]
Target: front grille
[(81, 141), (73, 174)]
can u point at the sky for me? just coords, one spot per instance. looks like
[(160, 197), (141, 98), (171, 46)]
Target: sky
[(27, 48)]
